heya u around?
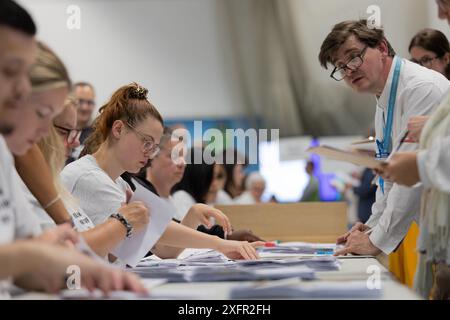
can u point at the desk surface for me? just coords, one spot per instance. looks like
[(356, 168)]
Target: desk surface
[(352, 269)]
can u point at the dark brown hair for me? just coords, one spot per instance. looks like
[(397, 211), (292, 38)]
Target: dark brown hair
[(432, 40), (342, 31)]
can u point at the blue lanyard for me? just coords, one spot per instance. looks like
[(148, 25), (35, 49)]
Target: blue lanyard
[(384, 147)]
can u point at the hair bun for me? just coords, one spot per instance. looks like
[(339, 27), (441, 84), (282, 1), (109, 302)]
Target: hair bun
[(138, 92)]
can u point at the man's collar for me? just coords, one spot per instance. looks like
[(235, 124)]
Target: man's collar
[(383, 99)]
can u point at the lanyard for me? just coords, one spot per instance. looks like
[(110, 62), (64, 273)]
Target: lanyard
[(384, 146)]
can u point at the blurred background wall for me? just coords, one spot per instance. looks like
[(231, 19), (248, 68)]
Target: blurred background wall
[(226, 58)]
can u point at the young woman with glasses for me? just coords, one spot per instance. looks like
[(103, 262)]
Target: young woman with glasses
[(126, 136)]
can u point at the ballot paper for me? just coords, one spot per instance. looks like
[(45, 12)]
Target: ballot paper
[(209, 274), (325, 263), (354, 157), (196, 258), (300, 248), (206, 256), (295, 289), (132, 250)]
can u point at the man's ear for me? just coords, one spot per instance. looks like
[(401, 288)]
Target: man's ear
[(384, 48), (117, 129)]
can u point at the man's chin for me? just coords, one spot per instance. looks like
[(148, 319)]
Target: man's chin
[(360, 88)]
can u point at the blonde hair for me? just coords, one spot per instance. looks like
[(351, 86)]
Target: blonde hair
[(48, 71), (53, 150)]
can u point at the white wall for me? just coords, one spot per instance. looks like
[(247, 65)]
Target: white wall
[(181, 51), (433, 20), (176, 48)]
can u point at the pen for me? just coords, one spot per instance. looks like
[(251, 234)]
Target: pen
[(402, 140), (368, 231)]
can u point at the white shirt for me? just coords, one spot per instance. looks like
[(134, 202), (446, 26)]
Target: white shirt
[(16, 219), (245, 198), (420, 91), (182, 201), (223, 198), (80, 220), (99, 196)]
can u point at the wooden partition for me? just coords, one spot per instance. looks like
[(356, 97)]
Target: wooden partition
[(308, 221)]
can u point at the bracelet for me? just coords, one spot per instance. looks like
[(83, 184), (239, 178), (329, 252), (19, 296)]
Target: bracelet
[(125, 222), (58, 197)]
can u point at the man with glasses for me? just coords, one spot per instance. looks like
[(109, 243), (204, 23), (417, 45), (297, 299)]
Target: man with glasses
[(85, 94), (362, 57)]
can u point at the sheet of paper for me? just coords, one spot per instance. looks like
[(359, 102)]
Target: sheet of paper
[(347, 156), (132, 250), (306, 290)]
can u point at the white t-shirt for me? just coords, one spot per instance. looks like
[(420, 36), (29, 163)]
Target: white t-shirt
[(98, 195), (16, 218), (223, 198), (80, 220), (182, 201), (245, 198)]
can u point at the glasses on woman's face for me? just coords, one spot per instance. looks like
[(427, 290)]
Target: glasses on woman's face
[(70, 135), (425, 61), (355, 61), (149, 145)]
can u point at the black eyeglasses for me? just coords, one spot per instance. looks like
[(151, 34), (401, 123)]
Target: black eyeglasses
[(425, 61), (339, 73), (149, 145), (70, 134)]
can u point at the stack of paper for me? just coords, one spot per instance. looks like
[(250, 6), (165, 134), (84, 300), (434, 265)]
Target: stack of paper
[(298, 249), (224, 273), (157, 272), (313, 290), (246, 274), (325, 263)]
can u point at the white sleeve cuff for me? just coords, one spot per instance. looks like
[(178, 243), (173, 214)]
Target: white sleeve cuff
[(384, 241)]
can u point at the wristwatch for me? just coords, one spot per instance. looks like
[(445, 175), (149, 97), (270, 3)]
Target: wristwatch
[(124, 221)]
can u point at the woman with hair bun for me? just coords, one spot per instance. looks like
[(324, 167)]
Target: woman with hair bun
[(126, 136)]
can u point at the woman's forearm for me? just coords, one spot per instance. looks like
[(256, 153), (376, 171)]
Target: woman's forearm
[(166, 252), (105, 237), (177, 235), (36, 174), (14, 259)]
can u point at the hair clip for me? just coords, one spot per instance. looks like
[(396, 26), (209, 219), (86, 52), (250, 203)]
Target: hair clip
[(139, 93)]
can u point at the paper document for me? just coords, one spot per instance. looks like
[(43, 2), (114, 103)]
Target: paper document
[(347, 156), (132, 250), (303, 290)]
